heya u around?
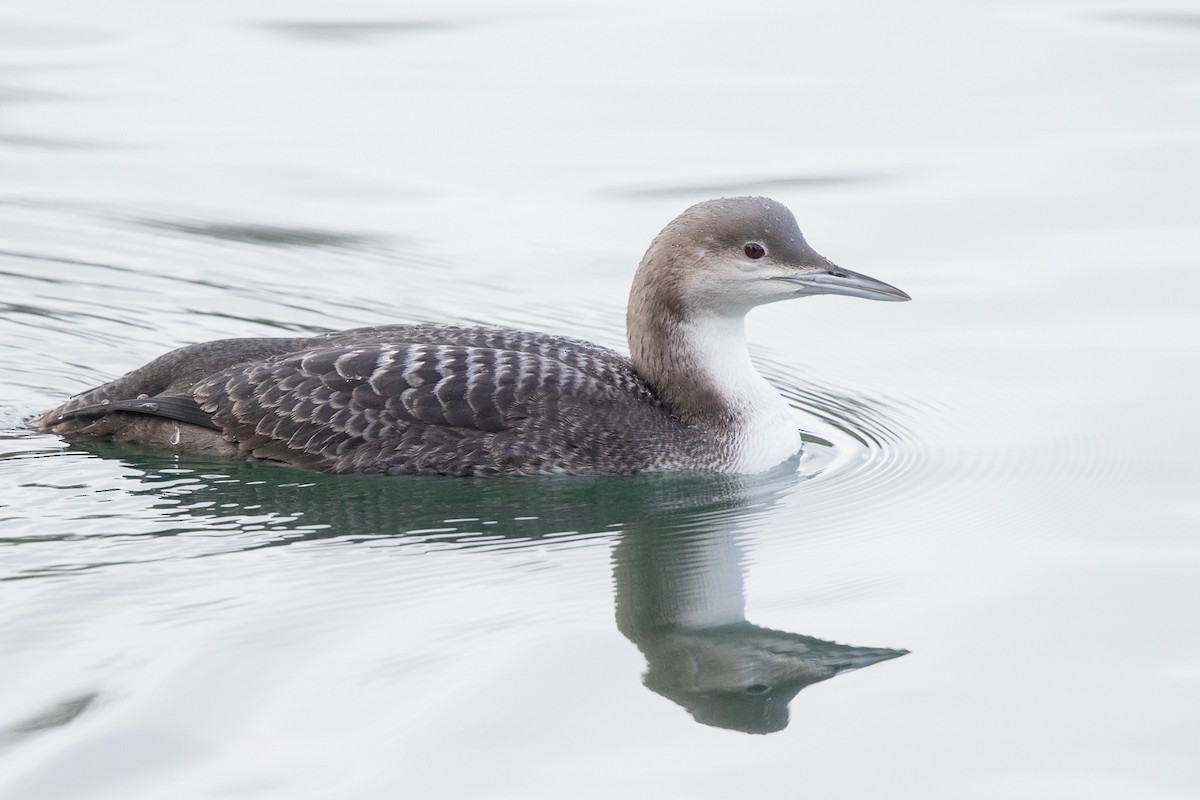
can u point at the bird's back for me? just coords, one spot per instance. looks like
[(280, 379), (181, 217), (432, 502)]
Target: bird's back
[(398, 398)]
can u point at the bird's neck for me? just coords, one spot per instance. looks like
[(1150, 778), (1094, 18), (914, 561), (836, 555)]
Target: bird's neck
[(700, 368)]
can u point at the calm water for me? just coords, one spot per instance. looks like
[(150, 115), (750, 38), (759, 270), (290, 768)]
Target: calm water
[(1001, 476)]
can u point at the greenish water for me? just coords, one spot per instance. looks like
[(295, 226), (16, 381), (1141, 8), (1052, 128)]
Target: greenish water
[(1000, 477)]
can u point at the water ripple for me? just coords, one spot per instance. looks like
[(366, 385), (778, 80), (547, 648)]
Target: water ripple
[(857, 445)]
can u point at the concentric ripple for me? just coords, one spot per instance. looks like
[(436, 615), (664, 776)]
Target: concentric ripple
[(855, 446)]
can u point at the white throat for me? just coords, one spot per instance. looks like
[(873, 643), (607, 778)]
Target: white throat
[(765, 431)]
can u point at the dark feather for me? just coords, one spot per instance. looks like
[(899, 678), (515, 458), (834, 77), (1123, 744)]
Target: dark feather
[(182, 409)]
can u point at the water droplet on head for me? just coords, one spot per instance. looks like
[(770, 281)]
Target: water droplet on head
[(104, 402)]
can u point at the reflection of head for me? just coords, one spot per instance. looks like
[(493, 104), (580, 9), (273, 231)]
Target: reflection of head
[(680, 597), (741, 676), (754, 710)]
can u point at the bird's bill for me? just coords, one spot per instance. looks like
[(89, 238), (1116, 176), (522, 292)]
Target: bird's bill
[(844, 282)]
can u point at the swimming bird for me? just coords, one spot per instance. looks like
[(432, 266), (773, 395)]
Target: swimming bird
[(465, 400)]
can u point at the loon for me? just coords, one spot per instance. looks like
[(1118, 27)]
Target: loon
[(459, 400)]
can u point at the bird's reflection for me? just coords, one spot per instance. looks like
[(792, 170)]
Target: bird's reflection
[(678, 557), (680, 598)]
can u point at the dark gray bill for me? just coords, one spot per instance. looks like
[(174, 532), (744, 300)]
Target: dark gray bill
[(845, 282)]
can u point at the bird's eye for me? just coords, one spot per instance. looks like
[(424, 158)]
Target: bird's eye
[(754, 250)]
